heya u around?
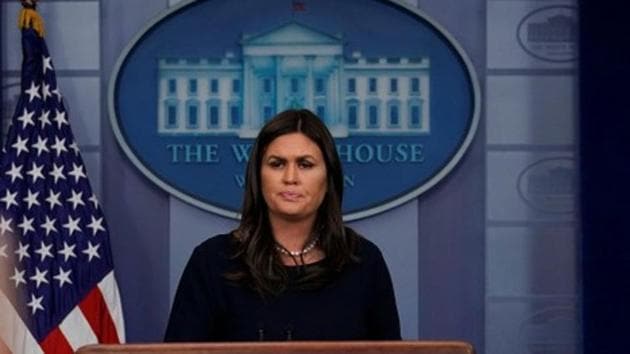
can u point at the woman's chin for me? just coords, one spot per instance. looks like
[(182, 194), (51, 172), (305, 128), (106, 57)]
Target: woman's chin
[(291, 214)]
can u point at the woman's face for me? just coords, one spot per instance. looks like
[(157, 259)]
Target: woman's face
[(293, 176)]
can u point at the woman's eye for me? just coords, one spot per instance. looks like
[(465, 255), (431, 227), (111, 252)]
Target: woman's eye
[(275, 163), (305, 164)]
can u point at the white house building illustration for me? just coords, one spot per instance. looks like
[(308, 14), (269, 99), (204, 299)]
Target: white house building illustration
[(293, 66)]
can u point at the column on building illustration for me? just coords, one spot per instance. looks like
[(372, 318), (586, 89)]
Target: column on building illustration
[(309, 83), (336, 96), (249, 90)]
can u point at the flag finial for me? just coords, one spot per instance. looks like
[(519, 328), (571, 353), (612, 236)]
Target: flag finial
[(29, 18)]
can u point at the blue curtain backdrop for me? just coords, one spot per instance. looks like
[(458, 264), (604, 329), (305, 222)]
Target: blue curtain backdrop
[(605, 175)]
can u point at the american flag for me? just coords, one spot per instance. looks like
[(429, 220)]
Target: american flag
[(58, 290)]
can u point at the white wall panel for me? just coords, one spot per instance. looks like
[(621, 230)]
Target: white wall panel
[(174, 2), (531, 110), (82, 99), (92, 162), (509, 46), (532, 326), (530, 186), (523, 261)]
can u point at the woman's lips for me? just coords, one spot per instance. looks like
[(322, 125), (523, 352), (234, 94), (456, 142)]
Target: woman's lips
[(290, 196)]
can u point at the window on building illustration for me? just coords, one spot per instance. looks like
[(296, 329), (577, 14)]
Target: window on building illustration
[(321, 111), (235, 116), (352, 85), (172, 87), (415, 85), (372, 85), (214, 86), (319, 86), (394, 118), (192, 115), (171, 115), (192, 86), (213, 115), (267, 113), (267, 85), (393, 85), (372, 116), (353, 119), (236, 86), (295, 85), (415, 115)]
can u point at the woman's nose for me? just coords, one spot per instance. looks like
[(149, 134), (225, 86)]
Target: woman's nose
[(290, 173)]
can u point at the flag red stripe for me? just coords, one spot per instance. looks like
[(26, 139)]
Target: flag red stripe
[(97, 314), (56, 343), (3, 348)]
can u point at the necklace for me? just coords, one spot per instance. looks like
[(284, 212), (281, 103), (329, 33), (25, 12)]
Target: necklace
[(309, 247)]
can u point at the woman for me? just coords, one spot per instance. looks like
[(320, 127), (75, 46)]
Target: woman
[(291, 270)]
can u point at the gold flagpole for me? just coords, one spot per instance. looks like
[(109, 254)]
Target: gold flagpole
[(29, 18)]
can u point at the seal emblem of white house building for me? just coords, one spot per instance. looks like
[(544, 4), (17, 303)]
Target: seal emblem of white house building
[(395, 90)]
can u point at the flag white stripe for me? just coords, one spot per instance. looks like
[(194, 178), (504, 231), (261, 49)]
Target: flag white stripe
[(77, 330), (14, 332), (111, 295)]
